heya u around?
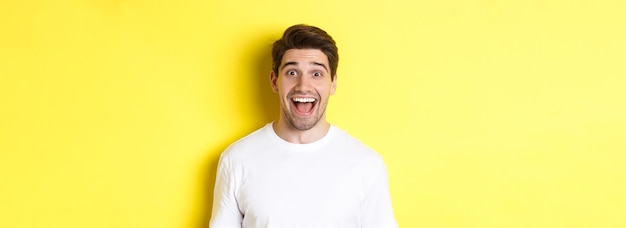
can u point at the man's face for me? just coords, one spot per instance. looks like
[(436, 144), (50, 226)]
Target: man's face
[(303, 83)]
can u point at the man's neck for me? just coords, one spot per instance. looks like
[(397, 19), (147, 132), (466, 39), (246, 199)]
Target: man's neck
[(290, 134)]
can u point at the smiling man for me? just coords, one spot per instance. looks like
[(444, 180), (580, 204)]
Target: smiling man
[(301, 171)]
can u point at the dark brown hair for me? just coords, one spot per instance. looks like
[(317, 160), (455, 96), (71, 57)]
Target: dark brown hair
[(305, 37)]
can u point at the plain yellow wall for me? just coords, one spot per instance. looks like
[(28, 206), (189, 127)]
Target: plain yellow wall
[(489, 113)]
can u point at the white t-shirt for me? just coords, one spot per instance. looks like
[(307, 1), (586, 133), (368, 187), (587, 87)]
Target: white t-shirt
[(264, 181)]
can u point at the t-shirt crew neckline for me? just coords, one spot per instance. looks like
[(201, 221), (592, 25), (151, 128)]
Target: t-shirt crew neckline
[(301, 147)]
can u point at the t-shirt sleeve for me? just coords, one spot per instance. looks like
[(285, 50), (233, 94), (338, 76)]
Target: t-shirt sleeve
[(225, 212), (377, 210)]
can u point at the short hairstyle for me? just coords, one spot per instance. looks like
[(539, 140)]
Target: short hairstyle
[(306, 37)]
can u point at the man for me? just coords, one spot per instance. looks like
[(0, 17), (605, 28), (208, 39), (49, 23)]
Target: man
[(301, 171)]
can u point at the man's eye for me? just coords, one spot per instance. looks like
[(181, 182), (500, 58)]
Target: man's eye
[(291, 72), (317, 74)]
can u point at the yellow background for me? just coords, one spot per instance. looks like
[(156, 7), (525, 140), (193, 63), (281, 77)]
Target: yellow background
[(489, 113)]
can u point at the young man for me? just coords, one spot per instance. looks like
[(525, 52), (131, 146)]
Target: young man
[(301, 171)]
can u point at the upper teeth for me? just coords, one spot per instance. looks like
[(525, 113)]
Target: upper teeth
[(303, 99)]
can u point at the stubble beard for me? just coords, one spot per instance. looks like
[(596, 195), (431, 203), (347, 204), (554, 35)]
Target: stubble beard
[(304, 124)]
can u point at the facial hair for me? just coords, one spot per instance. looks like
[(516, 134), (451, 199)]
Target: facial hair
[(303, 124)]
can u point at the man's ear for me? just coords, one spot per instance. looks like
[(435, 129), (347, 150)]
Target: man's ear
[(333, 85), (273, 80)]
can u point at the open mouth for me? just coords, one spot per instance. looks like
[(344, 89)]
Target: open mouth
[(304, 105)]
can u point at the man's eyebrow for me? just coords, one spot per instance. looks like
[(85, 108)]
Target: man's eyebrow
[(319, 64), (289, 63), (312, 63)]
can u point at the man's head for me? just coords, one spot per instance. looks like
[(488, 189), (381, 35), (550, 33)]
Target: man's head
[(304, 76), (306, 37)]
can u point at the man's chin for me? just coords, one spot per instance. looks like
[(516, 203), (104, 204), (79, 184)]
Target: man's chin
[(303, 125)]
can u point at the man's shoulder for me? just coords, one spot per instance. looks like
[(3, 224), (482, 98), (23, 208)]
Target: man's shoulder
[(349, 143), (248, 143)]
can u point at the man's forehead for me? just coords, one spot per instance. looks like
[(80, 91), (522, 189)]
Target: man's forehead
[(304, 56)]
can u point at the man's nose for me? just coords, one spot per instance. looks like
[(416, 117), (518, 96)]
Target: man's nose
[(303, 83)]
